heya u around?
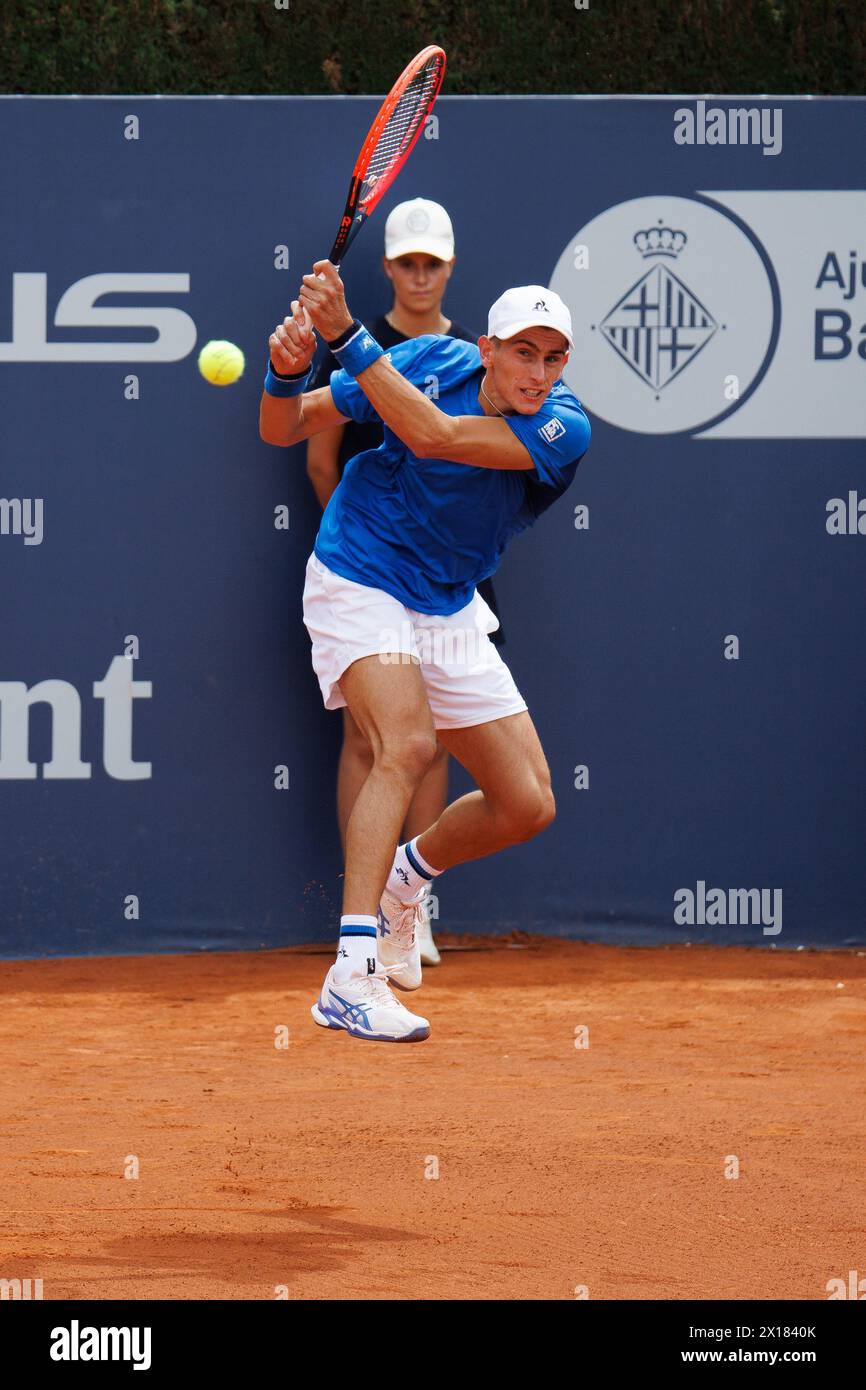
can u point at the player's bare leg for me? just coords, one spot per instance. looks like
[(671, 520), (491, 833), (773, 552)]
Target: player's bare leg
[(353, 769), (355, 765), (427, 804), (431, 796), (514, 801), (389, 704)]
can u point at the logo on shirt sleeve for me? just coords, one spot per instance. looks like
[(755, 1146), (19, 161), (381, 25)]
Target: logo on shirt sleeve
[(553, 429)]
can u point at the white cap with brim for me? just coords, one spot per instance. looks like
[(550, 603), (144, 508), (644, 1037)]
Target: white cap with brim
[(529, 306), (419, 226)]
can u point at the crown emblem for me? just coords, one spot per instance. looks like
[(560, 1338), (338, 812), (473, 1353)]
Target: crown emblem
[(660, 241)]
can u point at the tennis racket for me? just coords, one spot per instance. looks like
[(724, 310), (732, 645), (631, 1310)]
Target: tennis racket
[(389, 143)]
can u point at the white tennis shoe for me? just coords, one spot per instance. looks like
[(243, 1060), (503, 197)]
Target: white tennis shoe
[(364, 1006), (426, 945), (399, 952)]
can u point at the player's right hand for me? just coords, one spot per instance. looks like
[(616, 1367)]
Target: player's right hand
[(292, 343)]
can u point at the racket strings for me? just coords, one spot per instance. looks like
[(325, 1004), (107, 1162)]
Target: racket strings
[(402, 125)]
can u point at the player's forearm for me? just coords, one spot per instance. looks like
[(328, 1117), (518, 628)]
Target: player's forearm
[(291, 348), (412, 416), (279, 419)]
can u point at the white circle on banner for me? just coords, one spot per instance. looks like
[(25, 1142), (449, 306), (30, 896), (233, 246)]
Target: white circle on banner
[(672, 307)]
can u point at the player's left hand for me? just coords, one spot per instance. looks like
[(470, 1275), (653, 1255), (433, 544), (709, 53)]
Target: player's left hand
[(323, 298), (292, 344)]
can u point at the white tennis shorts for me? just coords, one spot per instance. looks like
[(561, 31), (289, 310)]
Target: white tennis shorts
[(467, 681)]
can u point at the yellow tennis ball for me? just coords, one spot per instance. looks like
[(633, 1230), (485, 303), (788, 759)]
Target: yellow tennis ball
[(221, 363)]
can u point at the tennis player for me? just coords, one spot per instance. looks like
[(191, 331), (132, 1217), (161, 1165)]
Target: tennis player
[(418, 261), (479, 441)]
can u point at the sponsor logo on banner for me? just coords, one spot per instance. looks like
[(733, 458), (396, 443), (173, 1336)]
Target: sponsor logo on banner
[(77, 308), (731, 315), (118, 692)]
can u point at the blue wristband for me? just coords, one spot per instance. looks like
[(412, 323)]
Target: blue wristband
[(356, 349), (286, 385)]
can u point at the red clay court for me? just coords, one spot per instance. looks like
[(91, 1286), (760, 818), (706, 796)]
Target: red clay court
[(303, 1167)]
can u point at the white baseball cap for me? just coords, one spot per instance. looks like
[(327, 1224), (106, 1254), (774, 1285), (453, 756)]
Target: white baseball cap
[(528, 306), (420, 226)]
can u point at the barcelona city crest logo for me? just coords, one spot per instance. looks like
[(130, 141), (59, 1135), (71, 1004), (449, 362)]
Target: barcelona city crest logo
[(659, 326)]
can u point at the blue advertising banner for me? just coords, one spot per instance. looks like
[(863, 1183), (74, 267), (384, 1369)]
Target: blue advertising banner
[(685, 623)]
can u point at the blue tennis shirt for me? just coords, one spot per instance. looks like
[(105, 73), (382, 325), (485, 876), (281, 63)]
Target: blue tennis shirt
[(428, 531)]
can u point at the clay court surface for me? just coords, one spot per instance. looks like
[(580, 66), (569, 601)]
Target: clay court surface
[(305, 1166)]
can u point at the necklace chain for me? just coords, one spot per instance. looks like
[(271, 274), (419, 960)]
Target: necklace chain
[(489, 401)]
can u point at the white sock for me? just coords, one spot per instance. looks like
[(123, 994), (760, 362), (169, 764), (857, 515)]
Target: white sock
[(410, 873), (356, 951)]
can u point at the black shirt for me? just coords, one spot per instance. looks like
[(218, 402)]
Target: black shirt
[(358, 437)]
